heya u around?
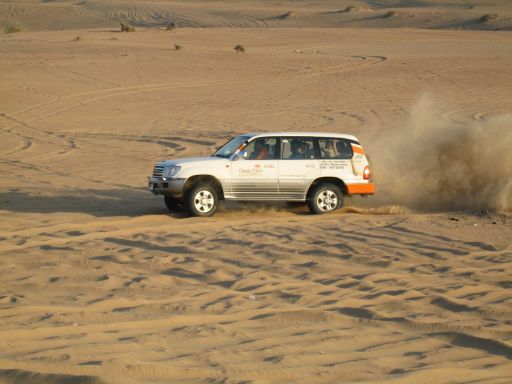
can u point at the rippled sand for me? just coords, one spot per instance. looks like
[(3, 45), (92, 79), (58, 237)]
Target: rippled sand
[(100, 284)]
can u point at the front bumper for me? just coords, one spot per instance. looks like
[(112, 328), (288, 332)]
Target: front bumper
[(159, 186)]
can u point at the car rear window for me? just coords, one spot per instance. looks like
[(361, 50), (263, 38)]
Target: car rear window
[(331, 148)]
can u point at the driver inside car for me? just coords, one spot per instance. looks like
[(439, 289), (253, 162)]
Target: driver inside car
[(260, 151)]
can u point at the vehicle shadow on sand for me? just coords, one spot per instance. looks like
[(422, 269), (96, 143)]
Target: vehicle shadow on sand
[(100, 203), (120, 202)]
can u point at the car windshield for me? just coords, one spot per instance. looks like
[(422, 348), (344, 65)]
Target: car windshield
[(230, 147)]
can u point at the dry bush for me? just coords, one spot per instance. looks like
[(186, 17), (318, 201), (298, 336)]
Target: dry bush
[(390, 14), (125, 27), (77, 38), (239, 48), (171, 27), (355, 8), (14, 27), (488, 17), (177, 47)]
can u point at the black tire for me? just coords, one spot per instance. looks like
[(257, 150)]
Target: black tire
[(173, 204), (202, 200), (325, 198)]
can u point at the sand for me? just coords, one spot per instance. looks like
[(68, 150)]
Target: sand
[(101, 284)]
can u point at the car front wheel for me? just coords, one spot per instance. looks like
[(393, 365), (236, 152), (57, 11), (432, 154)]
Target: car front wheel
[(202, 200), (325, 198)]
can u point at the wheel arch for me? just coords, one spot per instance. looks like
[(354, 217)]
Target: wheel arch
[(207, 179), (330, 180)]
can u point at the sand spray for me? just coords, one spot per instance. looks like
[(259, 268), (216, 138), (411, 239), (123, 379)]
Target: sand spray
[(434, 163)]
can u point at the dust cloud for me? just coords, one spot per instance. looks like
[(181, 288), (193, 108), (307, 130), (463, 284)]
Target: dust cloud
[(382, 210), (434, 163)]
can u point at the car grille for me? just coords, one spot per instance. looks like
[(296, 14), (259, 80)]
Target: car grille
[(158, 170)]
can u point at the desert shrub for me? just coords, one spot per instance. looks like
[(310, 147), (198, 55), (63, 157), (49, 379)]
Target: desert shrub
[(14, 27), (390, 14), (355, 8), (239, 48), (171, 26), (77, 38), (125, 27), (488, 17), (177, 47)]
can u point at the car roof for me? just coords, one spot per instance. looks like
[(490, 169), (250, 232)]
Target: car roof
[(302, 134)]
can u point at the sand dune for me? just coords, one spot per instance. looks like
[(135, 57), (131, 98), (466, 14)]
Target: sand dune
[(70, 14), (100, 284)]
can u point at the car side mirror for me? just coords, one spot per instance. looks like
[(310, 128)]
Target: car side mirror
[(241, 155)]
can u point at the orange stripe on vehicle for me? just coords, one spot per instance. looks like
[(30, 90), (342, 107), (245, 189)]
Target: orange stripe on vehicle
[(357, 149), (361, 189)]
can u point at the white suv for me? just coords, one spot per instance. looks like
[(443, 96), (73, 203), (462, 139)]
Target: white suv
[(317, 168)]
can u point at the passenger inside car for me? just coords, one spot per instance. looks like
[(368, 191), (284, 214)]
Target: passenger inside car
[(297, 150), (309, 150), (329, 152), (344, 149)]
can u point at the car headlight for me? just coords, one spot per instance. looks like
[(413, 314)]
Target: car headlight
[(171, 171)]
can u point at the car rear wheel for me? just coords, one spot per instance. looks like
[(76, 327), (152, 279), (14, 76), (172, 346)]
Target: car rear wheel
[(325, 198), (173, 204), (202, 200)]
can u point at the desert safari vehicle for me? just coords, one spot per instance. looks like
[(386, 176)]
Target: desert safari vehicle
[(315, 168)]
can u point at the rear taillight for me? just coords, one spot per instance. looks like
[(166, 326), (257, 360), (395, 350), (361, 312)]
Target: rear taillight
[(367, 173)]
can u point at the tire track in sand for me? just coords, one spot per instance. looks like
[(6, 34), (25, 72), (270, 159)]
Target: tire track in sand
[(98, 96)]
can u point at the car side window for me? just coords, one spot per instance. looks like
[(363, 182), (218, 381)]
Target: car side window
[(331, 148), (297, 148), (261, 149)]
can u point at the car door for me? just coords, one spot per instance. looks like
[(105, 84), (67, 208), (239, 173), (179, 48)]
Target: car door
[(254, 173), (298, 167)]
